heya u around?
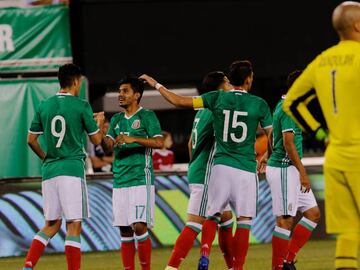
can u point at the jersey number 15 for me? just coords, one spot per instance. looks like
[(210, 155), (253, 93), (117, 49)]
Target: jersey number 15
[(235, 124)]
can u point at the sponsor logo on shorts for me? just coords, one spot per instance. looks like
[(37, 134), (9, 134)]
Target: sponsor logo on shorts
[(135, 124), (290, 207)]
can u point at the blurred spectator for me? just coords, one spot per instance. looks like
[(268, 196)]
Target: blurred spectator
[(163, 159), (29, 3), (261, 143), (101, 162)]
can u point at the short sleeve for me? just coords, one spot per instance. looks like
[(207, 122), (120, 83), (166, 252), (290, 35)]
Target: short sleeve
[(88, 120), (210, 99), (36, 126), (111, 131), (266, 118), (153, 127), (287, 124)]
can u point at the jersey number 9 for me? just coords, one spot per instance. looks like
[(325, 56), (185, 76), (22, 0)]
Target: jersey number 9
[(58, 134)]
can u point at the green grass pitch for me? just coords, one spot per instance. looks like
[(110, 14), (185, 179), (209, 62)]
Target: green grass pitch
[(316, 255)]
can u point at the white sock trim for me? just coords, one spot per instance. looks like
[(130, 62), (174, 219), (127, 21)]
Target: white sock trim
[(142, 237), (228, 222), (127, 239), (282, 231), (246, 222), (72, 243), (312, 224), (42, 240), (194, 224)]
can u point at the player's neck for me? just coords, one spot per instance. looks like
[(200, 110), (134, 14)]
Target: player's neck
[(70, 91), (132, 109), (241, 88)]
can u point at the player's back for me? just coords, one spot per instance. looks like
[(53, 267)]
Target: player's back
[(202, 137), (62, 119), (237, 115)]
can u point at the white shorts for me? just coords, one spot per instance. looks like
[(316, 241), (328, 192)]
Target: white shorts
[(198, 201), (65, 196), (133, 204), (285, 186), (235, 187)]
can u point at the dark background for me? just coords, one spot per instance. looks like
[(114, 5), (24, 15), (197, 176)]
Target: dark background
[(178, 42)]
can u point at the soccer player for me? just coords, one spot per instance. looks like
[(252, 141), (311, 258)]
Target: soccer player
[(233, 178), (333, 77), (63, 119), (132, 134), (286, 176), (201, 151)]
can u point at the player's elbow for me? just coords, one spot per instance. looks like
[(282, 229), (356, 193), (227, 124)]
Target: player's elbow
[(31, 139), (96, 139)]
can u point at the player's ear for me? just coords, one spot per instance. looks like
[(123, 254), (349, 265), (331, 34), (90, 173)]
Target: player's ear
[(357, 26), (137, 96)]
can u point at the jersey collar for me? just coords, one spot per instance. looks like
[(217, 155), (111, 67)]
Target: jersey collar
[(63, 94), (239, 90), (128, 117)]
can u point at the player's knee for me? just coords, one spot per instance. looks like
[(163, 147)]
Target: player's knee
[(51, 227), (225, 216), (313, 214), (140, 228), (285, 222), (126, 231), (73, 228)]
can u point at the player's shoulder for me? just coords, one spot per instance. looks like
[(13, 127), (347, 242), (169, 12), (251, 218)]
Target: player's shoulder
[(147, 112), (258, 100), (117, 116)]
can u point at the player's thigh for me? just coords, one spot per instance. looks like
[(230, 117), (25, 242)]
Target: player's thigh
[(219, 189), (142, 204), (51, 201), (198, 200), (120, 205), (73, 197), (244, 192), (341, 207)]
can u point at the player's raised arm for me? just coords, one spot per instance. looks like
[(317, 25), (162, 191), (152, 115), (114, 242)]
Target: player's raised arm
[(176, 100)]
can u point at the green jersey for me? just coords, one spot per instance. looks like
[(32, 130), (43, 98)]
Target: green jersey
[(202, 137), (283, 123), (237, 115), (132, 164), (63, 119)]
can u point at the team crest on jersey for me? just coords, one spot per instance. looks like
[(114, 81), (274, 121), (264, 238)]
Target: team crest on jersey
[(135, 124)]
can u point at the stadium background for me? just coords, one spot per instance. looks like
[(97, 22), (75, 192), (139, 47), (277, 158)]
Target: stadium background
[(177, 42)]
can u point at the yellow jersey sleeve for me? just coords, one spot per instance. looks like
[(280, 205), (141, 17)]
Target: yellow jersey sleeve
[(299, 95), (198, 103)]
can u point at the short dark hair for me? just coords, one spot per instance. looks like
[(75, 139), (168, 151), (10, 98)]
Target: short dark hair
[(136, 84), (238, 71), (212, 81), (291, 78), (67, 74)]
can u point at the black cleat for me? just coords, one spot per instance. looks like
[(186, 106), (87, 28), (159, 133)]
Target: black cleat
[(289, 266)]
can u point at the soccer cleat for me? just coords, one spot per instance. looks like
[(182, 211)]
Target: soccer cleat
[(170, 268), (203, 263), (27, 268), (289, 266)]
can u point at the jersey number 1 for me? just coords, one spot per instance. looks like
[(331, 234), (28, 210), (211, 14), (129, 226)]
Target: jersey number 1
[(235, 124), (58, 134)]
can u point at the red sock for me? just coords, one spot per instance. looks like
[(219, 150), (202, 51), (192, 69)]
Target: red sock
[(226, 242), (299, 237), (36, 249), (184, 243), (144, 250), (208, 235), (128, 253), (241, 243), (73, 252), (280, 242)]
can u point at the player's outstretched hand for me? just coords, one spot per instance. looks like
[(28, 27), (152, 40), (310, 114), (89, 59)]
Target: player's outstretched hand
[(305, 183), (151, 81), (261, 165)]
